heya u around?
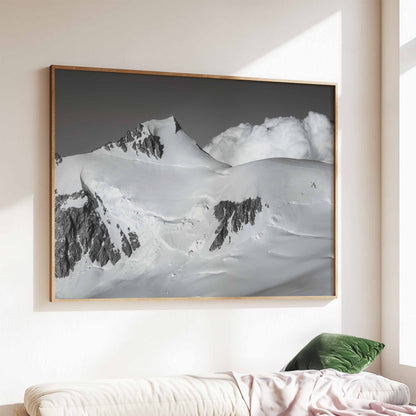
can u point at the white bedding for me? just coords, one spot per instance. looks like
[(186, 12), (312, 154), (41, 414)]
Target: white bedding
[(296, 393), (323, 392)]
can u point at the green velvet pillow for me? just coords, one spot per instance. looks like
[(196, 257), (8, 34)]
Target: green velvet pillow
[(344, 353)]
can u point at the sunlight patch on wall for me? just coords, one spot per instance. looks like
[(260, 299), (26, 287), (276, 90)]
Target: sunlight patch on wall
[(304, 57)]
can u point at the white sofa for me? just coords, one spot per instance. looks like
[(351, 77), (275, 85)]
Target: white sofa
[(209, 395)]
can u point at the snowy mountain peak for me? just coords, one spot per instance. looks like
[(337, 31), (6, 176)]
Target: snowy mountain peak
[(178, 148), (135, 144), (155, 141), (145, 138), (168, 125)]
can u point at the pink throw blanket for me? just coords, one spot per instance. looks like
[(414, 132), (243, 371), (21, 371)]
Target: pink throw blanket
[(311, 392)]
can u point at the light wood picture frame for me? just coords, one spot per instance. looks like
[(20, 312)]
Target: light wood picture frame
[(222, 188)]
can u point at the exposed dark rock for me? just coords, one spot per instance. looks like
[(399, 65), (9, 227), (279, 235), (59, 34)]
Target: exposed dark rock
[(80, 231), (108, 146), (129, 136), (150, 146), (138, 130), (177, 125), (58, 159), (101, 202), (122, 142), (234, 215), (134, 240), (125, 245), (128, 245), (98, 198)]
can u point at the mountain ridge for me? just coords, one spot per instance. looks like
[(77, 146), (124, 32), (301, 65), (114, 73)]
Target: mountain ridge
[(180, 223)]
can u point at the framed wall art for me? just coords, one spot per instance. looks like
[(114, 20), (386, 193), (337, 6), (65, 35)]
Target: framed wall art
[(167, 185)]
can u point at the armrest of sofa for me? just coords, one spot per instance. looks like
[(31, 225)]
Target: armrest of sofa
[(20, 411)]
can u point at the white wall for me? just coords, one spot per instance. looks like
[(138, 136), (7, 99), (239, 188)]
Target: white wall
[(328, 40), (398, 133), (407, 173)]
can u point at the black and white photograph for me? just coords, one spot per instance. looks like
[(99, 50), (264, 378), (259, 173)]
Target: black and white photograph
[(191, 186)]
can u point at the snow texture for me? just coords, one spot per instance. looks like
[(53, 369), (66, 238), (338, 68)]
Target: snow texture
[(311, 138), (154, 215)]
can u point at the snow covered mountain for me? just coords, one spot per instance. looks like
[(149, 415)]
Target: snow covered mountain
[(154, 215), (311, 138)]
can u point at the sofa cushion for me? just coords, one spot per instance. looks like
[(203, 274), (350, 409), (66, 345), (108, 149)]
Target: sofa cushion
[(212, 395), (344, 353)]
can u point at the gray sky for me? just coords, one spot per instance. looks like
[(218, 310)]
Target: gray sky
[(92, 108)]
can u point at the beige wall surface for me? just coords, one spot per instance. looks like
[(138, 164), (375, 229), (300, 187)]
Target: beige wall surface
[(330, 40), (393, 138)]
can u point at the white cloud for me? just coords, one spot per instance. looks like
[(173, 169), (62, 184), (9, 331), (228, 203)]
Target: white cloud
[(311, 138)]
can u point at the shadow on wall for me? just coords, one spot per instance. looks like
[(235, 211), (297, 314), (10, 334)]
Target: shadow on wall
[(408, 56), (218, 50)]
